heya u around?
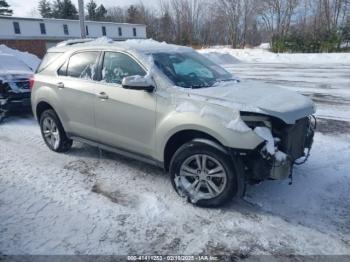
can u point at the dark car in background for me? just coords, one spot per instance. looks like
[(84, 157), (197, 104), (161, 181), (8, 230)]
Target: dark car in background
[(14, 85)]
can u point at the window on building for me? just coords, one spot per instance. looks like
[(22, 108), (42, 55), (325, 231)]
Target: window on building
[(120, 32), (116, 66), (134, 31), (103, 30), (83, 65), (42, 29), (87, 30), (65, 29), (16, 28)]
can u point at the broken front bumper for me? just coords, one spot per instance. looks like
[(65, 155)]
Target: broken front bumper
[(292, 145)]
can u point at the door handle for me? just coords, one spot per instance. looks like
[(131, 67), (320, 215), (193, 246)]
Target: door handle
[(60, 85), (102, 95)]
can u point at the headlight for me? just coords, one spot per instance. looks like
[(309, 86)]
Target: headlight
[(254, 120)]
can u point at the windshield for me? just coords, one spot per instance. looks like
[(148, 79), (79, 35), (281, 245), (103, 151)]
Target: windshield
[(190, 69)]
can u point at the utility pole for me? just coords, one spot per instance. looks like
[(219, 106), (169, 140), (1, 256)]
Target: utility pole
[(82, 18)]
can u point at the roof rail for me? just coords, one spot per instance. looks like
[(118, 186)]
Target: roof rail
[(74, 42)]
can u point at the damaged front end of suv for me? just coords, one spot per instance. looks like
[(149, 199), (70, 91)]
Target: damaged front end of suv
[(14, 95), (284, 146)]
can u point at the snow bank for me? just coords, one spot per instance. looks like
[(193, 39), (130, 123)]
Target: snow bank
[(261, 55), (264, 46), (11, 65), (29, 59), (222, 58)]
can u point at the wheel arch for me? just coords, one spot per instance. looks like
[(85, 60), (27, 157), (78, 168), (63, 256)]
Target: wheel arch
[(41, 107), (181, 137)]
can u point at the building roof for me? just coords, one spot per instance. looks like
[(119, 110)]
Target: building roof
[(70, 20)]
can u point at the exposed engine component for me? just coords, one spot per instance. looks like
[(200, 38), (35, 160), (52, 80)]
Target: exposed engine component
[(283, 146)]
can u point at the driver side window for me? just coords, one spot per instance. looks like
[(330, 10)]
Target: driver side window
[(116, 66)]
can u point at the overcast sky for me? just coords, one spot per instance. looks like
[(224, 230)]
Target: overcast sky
[(26, 7)]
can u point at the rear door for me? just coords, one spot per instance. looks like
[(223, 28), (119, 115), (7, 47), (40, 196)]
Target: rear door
[(76, 92)]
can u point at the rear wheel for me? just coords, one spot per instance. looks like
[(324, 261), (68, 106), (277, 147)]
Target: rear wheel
[(53, 132), (205, 174)]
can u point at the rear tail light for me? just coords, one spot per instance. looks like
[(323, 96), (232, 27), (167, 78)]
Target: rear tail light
[(31, 83)]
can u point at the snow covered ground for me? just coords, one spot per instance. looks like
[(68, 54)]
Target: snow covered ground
[(261, 55), (93, 202)]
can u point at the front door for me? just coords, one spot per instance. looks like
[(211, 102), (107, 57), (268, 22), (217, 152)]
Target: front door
[(125, 118)]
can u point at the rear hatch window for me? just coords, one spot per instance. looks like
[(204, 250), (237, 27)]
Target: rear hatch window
[(47, 60)]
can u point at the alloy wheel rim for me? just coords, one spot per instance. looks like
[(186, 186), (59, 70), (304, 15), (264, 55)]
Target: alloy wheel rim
[(51, 133), (202, 177)]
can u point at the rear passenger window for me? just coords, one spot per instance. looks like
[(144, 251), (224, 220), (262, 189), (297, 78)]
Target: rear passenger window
[(62, 71), (83, 65), (116, 66)]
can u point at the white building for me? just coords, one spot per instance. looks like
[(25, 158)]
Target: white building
[(35, 35)]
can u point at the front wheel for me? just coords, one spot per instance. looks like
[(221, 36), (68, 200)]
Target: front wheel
[(205, 174), (53, 132)]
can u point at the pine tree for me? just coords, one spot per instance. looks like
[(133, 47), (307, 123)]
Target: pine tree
[(64, 9), (96, 13), (45, 9), (346, 32), (5, 8), (101, 13), (133, 14), (166, 27), (91, 8)]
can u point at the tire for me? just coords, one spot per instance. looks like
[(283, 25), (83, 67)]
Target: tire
[(229, 183), (53, 133)]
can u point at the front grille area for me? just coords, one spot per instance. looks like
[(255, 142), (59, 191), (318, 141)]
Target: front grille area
[(294, 138), (23, 84), (3, 90)]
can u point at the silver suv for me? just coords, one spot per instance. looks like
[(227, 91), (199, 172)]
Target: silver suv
[(170, 106)]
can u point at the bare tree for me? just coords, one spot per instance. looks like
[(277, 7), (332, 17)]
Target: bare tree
[(240, 23), (187, 14), (277, 15), (116, 14), (166, 22), (231, 10), (334, 12)]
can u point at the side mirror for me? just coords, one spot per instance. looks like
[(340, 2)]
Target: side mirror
[(138, 83)]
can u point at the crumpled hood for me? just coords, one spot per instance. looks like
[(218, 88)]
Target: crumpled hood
[(12, 75), (252, 96)]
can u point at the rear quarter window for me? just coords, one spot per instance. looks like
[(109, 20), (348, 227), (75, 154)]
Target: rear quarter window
[(47, 60)]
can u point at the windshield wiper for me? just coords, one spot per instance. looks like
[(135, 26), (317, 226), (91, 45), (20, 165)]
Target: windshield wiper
[(229, 80), (198, 86)]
